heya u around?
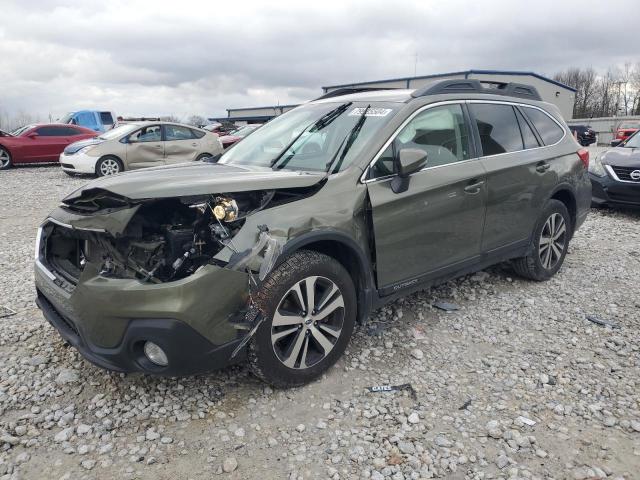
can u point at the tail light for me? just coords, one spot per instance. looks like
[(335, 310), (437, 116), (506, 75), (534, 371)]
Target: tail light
[(583, 153)]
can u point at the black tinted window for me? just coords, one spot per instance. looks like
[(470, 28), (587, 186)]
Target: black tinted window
[(498, 128), (106, 118), (549, 130), (52, 131), (530, 140)]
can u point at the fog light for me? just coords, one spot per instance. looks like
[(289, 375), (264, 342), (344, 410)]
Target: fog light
[(155, 354)]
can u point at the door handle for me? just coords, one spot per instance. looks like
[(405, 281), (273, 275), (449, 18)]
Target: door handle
[(543, 167), (474, 187), (194, 144), (157, 146)]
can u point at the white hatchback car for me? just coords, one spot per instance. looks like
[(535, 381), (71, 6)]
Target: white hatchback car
[(138, 145)]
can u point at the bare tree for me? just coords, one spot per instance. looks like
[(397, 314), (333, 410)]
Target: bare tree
[(196, 121), (170, 118)]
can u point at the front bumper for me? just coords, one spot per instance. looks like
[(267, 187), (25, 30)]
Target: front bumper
[(78, 163), (107, 320), (608, 191), (188, 352)]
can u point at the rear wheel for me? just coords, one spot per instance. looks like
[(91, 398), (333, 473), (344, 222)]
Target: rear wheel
[(549, 244), (108, 166), (202, 156), (5, 159), (310, 302)]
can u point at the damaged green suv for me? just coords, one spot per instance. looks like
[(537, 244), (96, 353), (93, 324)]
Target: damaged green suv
[(273, 253)]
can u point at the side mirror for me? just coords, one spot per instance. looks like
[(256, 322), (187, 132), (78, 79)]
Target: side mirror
[(410, 161), (616, 142)]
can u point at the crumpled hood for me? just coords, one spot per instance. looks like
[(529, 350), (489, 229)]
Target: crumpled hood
[(196, 178), (77, 146), (622, 157)]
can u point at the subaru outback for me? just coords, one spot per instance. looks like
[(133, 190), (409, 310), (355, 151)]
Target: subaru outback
[(275, 252)]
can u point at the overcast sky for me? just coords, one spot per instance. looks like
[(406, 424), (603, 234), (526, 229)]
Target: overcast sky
[(157, 57)]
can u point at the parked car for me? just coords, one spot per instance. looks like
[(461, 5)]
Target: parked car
[(92, 119), (138, 145), (220, 128), (273, 257), (624, 131), (584, 134), (38, 143), (615, 175), (236, 135)]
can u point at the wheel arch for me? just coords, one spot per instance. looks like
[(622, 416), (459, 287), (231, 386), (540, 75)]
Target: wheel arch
[(345, 250), (565, 193)]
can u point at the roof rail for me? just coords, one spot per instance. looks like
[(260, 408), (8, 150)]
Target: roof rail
[(476, 86), (348, 90)]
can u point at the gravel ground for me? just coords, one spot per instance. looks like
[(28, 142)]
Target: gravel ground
[(515, 384)]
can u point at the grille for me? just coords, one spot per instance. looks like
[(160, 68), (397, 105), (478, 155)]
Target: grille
[(624, 173)]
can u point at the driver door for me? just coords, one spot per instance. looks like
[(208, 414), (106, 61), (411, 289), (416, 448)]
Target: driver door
[(145, 148), (435, 226)]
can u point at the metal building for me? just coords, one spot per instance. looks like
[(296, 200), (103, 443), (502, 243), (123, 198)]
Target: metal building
[(551, 91)]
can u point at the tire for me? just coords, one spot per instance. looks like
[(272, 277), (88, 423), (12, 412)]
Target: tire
[(109, 165), (291, 354), (543, 262), (202, 156), (5, 159)]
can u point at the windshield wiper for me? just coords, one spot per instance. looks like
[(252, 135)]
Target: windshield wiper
[(350, 140), (319, 124)]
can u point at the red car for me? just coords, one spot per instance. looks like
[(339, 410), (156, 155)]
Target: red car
[(39, 143), (235, 136), (625, 130)]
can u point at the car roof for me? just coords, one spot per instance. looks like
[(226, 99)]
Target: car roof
[(450, 88)]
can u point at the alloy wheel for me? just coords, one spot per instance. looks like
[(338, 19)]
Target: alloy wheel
[(109, 166), (5, 159), (552, 241), (307, 322)]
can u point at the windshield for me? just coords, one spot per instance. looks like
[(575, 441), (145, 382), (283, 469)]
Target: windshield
[(243, 131), (67, 118), (628, 126), (313, 137), (21, 130), (119, 131), (633, 141)]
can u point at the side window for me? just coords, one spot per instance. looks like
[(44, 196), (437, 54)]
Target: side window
[(530, 140), (440, 131), (106, 118), (498, 128), (52, 131), (549, 130), (197, 133), (176, 132), (146, 134), (86, 119)]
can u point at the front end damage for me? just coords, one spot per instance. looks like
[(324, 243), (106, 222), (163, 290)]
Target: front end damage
[(114, 275)]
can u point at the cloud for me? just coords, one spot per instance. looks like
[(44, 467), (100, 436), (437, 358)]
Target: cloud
[(150, 58)]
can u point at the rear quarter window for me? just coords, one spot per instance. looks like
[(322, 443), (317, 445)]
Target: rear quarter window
[(106, 118), (549, 130), (197, 133)]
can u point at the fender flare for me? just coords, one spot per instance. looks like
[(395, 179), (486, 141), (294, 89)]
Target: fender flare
[(366, 292)]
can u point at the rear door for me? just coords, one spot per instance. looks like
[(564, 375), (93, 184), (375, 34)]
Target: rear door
[(436, 225), (145, 148), (519, 173), (182, 145)]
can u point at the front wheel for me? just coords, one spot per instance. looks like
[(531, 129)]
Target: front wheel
[(5, 159), (310, 304), (108, 166), (549, 244)]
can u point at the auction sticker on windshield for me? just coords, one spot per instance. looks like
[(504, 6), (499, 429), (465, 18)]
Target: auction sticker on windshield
[(371, 112)]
